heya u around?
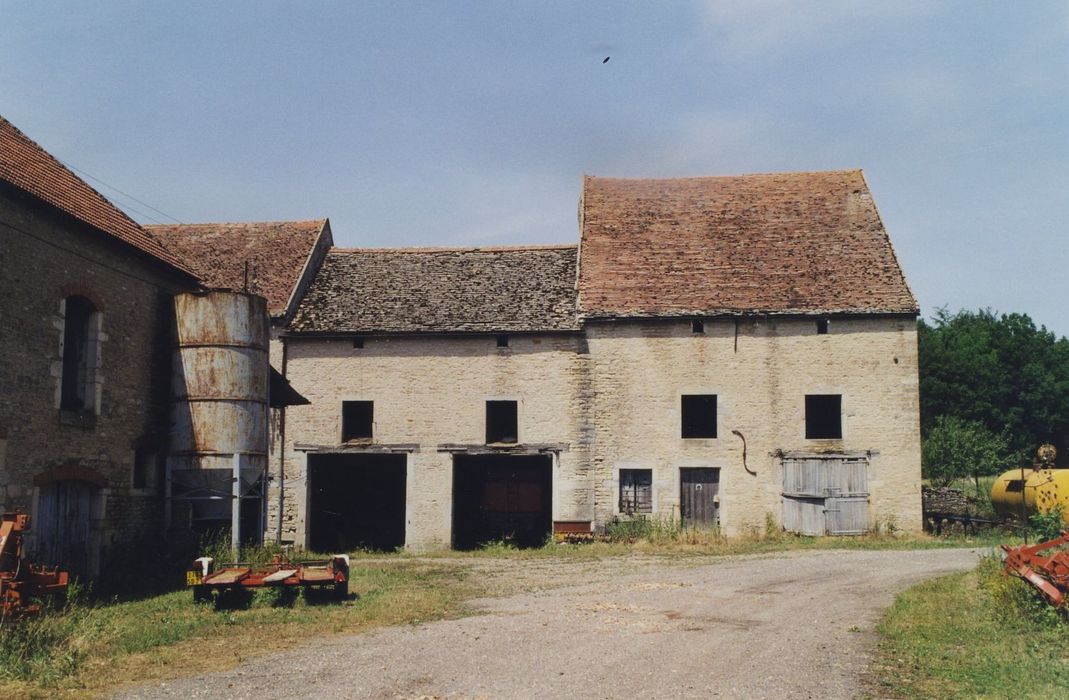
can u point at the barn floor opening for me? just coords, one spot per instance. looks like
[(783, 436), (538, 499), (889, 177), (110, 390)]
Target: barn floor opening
[(356, 501), (502, 498)]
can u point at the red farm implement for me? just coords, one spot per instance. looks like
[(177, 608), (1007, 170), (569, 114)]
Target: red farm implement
[(330, 574), (1044, 565), (23, 585)]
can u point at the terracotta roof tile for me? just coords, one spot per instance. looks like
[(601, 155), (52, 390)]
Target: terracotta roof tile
[(442, 290), (276, 252), (776, 243), (30, 168)]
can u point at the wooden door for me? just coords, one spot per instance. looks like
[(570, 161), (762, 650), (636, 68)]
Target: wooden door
[(825, 495), (698, 491), (64, 512)]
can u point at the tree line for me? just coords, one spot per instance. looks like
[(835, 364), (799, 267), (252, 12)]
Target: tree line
[(993, 387)]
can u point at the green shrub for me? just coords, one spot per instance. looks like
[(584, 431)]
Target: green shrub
[(1014, 600), (1049, 525)]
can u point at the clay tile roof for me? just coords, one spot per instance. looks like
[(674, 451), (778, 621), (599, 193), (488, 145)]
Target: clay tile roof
[(276, 253), (779, 243), (31, 169), (442, 290)]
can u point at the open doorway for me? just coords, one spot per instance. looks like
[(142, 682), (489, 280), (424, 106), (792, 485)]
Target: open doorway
[(356, 501), (502, 498)]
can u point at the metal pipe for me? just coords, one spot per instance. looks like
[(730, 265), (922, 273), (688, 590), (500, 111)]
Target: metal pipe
[(743, 438), (281, 453)]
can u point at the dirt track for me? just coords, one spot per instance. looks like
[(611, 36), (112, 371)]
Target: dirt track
[(795, 625)]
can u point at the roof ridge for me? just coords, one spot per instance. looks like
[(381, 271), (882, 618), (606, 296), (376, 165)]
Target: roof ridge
[(318, 222), (160, 251), (458, 249), (834, 171)]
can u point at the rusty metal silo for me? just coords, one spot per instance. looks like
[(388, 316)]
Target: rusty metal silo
[(219, 439)]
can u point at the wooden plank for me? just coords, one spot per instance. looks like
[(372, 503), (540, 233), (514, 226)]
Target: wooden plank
[(698, 488), (804, 515), (228, 576), (847, 516), (279, 575)]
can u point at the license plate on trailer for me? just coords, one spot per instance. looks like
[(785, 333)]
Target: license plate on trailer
[(194, 578)]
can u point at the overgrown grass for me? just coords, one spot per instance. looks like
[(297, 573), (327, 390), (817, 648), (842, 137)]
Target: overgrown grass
[(978, 634), (90, 647), (654, 536), (98, 643)]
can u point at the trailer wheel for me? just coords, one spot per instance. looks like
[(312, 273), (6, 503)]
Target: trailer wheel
[(341, 589), (202, 594)]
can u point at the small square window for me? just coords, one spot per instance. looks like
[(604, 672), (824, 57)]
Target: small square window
[(501, 422), (823, 416), (697, 326), (502, 341), (822, 326), (699, 415), (636, 491), (146, 467), (357, 418), (358, 343)]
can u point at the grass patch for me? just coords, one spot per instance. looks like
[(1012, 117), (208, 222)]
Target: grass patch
[(94, 646), (977, 634), (91, 647), (668, 538)]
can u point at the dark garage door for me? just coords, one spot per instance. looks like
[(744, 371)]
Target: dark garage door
[(356, 502), (502, 498)]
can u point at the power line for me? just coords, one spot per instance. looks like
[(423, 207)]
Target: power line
[(125, 194)]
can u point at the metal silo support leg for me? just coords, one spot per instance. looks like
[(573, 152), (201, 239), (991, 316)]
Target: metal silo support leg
[(235, 507)]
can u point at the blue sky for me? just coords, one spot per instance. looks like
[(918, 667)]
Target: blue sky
[(471, 123)]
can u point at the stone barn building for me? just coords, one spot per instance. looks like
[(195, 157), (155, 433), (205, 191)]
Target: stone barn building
[(715, 350), (93, 381), (85, 302)]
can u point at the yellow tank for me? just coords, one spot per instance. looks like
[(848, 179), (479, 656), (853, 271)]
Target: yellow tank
[(1040, 488)]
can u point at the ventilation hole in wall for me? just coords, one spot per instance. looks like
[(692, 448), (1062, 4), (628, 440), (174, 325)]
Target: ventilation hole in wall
[(697, 326), (502, 341), (358, 342), (822, 326)]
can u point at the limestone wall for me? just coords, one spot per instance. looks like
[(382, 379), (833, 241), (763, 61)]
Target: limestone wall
[(611, 397)]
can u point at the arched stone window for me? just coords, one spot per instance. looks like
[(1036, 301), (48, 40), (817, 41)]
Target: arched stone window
[(79, 377)]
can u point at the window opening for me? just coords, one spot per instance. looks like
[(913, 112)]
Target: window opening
[(147, 467), (76, 389), (357, 418), (501, 421), (502, 341), (699, 415), (697, 326), (358, 343), (823, 416), (636, 491), (822, 326)]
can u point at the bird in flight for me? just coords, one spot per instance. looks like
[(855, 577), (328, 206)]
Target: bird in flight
[(606, 59)]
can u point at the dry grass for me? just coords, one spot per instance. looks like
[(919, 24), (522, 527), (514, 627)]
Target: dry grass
[(90, 650)]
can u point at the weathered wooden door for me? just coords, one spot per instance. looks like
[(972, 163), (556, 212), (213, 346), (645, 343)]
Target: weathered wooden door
[(64, 513), (698, 491), (825, 495)]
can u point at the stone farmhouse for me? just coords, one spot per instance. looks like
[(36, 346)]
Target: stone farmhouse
[(85, 301), (714, 350), (89, 372)]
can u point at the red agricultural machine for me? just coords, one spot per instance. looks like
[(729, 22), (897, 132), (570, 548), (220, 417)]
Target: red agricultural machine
[(23, 585), (1044, 565), (331, 574)]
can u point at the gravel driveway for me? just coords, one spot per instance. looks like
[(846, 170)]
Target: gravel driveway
[(796, 625)]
